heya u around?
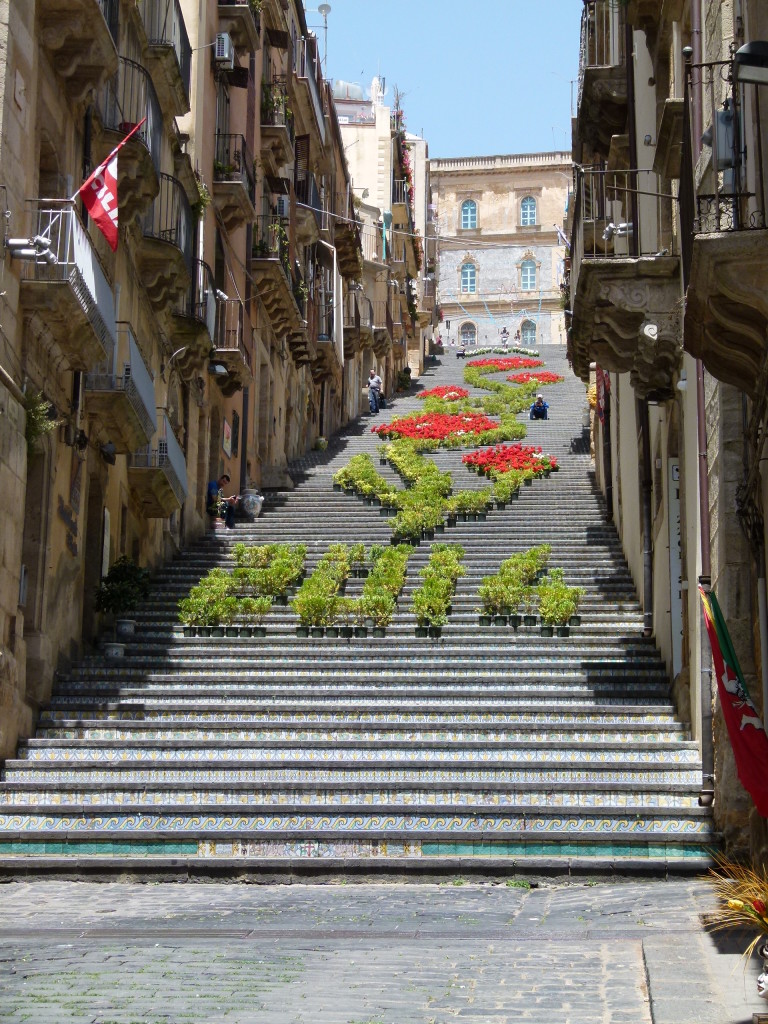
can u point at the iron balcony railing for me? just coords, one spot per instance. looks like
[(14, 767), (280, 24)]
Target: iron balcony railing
[(373, 244), (230, 320), (306, 66), (602, 37), (270, 241), (275, 106), (351, 311), (382, 318), (170, 219), (167, 455), (134, 381), (308, 194), (111, 11), (233, 161), (620, 214), (732, 179), (71, 258), (366, 310), (200, 301), (400, 192), (164, 25), (127, 100)]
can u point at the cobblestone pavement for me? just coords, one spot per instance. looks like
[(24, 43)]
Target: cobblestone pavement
[(607, 953)]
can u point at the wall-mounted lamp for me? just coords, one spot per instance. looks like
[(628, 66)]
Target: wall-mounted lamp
[(750, 63)]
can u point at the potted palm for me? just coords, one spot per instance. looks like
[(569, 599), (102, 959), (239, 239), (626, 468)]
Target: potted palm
[(118, 594)]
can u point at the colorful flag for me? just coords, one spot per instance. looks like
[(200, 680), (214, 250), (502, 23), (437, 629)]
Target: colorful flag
[(99, 192), (745, 729)]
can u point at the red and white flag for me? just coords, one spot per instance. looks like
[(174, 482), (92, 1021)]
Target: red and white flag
[(99, 192)]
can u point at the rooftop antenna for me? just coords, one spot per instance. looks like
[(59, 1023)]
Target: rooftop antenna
[(325, 10)]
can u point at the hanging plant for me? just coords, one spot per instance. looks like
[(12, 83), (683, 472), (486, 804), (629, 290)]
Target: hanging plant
[(41, 419)]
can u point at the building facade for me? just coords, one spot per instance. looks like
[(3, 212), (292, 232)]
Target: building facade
[(500, 257), (667, 260), (233, 326)]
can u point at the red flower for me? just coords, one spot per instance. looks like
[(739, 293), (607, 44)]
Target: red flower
[(512, 363), (540, 377), (436, 426), (504, 457), (449, 392)]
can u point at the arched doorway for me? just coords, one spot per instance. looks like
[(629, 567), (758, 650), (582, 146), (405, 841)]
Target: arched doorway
[(468, 334)]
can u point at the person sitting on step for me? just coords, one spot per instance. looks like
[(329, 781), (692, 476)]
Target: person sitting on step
[(217, 505), (539, 409)]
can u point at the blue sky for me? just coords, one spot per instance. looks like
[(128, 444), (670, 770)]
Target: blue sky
[(479, 76)]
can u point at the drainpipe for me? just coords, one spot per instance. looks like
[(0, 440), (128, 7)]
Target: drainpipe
[(244, 442), (647, 522), (607, 461), (707, 794)]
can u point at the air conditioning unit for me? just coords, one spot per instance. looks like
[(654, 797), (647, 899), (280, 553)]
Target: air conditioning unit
[(225, 51)]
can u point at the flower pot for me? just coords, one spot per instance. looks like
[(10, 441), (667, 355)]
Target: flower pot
[(382, 460), (515, 495), (529, 620), (125, 627), (484, 620), (435, 631), (563, 630), (376, 501), (232, 631), (514, 620), (258, 630), (528, 481), (217, 631), (499, 620), (575, 620), (331, 630), (302, 631), (379, 631), (112, 649), (440, 528), (429, 534), (363, 573), (462, 517), (338, 487), (472, 517), (547, 630), (501, 505), (346, 631), (384, 511), (482, 516), (422, 631), (203, 630), (189, 631), (450, 521), (246, 630), (361, 631), (367, 501), (316, 630), (281, 600)]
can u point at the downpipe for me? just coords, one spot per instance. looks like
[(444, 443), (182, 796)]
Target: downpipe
[(647, 492)]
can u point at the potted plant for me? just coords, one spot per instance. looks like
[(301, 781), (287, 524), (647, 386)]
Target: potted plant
[(346, 608), (380, 608), (557, 602), (120, 591), (255, 610), (361, 615), (331, 615)]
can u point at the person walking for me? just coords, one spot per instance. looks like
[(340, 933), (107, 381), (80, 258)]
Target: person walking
[(374, 391)]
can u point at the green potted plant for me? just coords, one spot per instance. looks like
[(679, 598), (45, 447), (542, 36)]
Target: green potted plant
[(361, 617), (120, 591), (380, 608), (255, 610), (346, 607)]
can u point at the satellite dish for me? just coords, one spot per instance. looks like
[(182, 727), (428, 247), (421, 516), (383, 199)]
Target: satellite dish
[(324, 9)]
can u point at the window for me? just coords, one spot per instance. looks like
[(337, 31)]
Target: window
[(469, 278), (527, 276), (528, 211), (468, 334), (469, 214), (528, 333)]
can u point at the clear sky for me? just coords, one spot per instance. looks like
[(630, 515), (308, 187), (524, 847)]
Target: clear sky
[(478, 76)]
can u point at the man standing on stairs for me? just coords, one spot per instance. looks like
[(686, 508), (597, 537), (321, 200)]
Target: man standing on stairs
[(374, 391)]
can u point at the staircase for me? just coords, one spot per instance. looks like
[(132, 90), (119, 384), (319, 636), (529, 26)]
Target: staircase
[(487, 750)]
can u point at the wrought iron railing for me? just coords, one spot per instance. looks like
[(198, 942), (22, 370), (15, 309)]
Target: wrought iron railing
[(135, 382), (275, 106), (166, 455), (373, 244), (170, 219), (230, 319), (400, 191), (602, 37), (71, 259), (382, 318), (732, 178), (351, 311), (270, 241), (111, 11), (366, 310), (233, 161), (306, 66), (164, 25), (127, 100), (308, 194), (200, 301)]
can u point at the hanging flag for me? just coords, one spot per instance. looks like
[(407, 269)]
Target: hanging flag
[(99, 192), (745, 729)]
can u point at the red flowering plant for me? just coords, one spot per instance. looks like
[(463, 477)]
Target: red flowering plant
[(438, 427), (448, 392), (506, 457), (500, 365), (539, 377)]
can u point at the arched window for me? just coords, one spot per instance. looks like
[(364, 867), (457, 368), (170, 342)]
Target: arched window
[(528, 211), (528, 276), (468, 334), (469, 278), (469, 214), (528, 333)]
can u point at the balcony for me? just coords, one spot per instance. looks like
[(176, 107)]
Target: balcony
[(626, 288), (271, 271), (229, 348), (79, 38), (311, 218), (164, 257), (366, 320), (327, 361), (346, 236), (234, 183), (373, 244), (402, 211), (309, 85), (124, 102), (351, 325), (242, 22), (277, 129), (68, 290), (602, 90), (398, 258), (169, 55), (726, 319), (157, 474), (383, 328), (124, 403), (194, 319)]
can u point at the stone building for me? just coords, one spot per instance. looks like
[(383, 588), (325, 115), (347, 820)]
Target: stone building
[(214, 339), (501, 259), (668, 257)]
